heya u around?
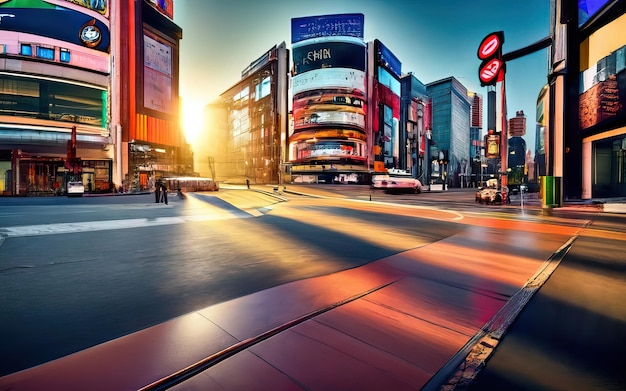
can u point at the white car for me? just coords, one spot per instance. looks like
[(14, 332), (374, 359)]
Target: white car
[(75, 189), (396, 181)]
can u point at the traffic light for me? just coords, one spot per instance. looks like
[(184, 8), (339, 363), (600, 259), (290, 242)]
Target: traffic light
[(492, 67)]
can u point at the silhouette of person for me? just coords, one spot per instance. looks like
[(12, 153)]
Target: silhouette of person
[(164, 192), (157, 192)]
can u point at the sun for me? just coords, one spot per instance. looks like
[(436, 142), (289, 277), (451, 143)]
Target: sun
[(193, 119)]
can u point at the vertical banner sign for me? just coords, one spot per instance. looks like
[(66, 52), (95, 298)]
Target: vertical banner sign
[(492, 67)]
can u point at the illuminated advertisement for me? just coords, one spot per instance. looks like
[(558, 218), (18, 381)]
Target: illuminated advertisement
[(343, 25), (386, 120), (157, 74), (388, 59), (328, 86), (303, 151), (56, 22), (329, 107), (603, 79), (166, 7), (328, 78), (328, 54), (99, 6), (587, 9)]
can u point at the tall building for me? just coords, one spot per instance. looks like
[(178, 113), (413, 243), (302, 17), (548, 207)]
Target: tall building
[(476, 118), (541, 135), (450, 152), (414, 125), (247, 133), (476, 136), (329, 140), (384, 72), (517, 125), (149, 142), (599, 140), (54, 89), (516, 161)]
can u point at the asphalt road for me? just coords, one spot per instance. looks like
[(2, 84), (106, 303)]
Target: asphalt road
[(78, 272), (75, 273)]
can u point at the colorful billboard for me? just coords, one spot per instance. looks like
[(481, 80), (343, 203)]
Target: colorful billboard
[(157, 67), (56, 22), (166, 7), (587, 9), (322, 54), (341, 106), (328, 86), (99, 6), (603, 79), (342, 25), (386, 96)]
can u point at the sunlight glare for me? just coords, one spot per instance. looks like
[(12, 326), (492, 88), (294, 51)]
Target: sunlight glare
[(193, 120)]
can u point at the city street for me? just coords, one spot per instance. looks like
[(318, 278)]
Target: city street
[(79, 272)]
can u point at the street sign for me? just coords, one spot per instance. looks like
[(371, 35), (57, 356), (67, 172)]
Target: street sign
[(492, 67)]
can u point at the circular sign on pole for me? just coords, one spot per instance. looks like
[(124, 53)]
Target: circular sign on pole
[(491, 69), (490, 45)]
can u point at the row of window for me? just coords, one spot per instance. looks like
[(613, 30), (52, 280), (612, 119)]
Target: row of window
[(53, 100), (45, 52)]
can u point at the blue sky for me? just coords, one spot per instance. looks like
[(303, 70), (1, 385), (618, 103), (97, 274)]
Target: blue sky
[(433, 39)]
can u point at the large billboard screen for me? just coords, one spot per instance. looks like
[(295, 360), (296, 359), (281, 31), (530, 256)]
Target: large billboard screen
[(56, 22), (587, 9), (328, 86), (322, 54), (385, 57), (340, 106), (343, 25), (603, 79), (157, 66)]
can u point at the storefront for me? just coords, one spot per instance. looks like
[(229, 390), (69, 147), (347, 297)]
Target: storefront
[(29, 175)]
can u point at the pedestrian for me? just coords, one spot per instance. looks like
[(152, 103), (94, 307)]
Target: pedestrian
[(157, 192), (164, 192), (248, 183)]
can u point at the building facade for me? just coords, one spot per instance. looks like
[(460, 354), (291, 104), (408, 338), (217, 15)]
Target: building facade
[(517, 125), (54, 82), (450, 152), (328, 141), (249, 123), (602, 98), (94, 101), (414, 126), (149, 142), (476, 139)]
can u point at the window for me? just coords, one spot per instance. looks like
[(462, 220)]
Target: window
[(26, 50), (53, 100), (47, 53), (65, 55)]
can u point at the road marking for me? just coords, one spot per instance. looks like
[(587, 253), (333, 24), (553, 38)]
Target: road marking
[(104, 225)]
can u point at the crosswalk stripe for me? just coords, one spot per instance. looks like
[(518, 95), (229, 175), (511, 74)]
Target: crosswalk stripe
[(103, 225)]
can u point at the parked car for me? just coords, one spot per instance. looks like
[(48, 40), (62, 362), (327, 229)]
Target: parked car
[(396, 181), (75, 189), (488, 195)]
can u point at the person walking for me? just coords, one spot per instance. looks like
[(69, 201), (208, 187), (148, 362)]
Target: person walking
[(157, 192), (163, 192)]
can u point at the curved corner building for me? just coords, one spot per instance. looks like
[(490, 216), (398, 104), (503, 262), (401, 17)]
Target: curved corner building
[(328, 141), (54, 79)]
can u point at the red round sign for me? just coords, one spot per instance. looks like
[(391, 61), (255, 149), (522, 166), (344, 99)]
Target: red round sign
[(490, 70), (490, 45)]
